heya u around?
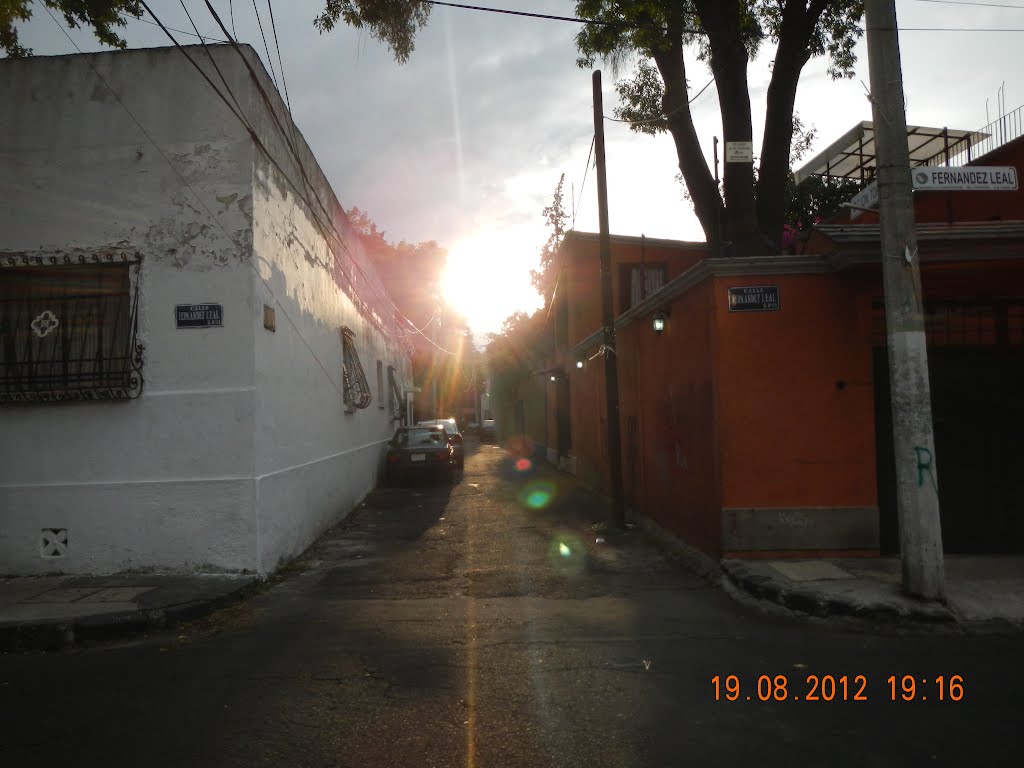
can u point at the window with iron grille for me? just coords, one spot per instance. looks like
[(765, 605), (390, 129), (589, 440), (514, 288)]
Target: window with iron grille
[(395, 399), (68, 329), (357, 389), (640, 281)]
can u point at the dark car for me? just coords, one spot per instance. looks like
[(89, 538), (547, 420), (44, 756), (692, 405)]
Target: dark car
[(488, 432), (421, 451), (452, 428)]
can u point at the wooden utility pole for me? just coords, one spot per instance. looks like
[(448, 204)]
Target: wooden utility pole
[(916, 474), (611, 371)]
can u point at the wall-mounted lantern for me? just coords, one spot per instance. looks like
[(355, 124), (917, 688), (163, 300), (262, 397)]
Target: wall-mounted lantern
[(553, 377), (579, 364), (659, 322)]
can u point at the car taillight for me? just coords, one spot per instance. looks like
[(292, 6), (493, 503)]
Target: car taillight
[(441, 456), (393, 458)]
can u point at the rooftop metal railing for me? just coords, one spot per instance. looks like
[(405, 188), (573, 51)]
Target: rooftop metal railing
[(972, 146)]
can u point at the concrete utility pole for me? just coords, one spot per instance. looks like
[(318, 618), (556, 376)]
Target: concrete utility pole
[(611, 371), (916, 474)]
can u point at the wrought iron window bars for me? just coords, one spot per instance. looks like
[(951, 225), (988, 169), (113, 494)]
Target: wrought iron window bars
[(69, 327), (356, 387)]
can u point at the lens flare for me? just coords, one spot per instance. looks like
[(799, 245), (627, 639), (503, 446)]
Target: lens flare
[(567, 554), (537, 495), (523, 464)]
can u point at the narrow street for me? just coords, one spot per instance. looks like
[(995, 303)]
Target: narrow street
[(484, 624)]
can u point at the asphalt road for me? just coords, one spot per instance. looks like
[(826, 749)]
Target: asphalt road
[(484, 625)]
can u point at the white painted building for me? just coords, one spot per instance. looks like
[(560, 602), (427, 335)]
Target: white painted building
[(172, 382)]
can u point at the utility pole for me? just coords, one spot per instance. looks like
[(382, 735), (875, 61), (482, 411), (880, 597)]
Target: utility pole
[(611, 371), (916, 474)]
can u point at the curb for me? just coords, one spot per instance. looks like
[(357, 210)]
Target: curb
[(64, 634), (813, 603)]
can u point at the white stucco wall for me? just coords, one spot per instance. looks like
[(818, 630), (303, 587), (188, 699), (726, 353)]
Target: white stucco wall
[(239, 451), (314, 461), (164, 481)]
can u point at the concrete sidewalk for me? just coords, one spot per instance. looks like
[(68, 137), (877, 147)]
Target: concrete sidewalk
[(54, 612), (983, 592)]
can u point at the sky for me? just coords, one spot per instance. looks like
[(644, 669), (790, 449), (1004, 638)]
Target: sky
[(465, 143)]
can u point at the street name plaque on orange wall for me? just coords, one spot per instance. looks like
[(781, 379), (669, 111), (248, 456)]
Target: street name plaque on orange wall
[(754, 298)]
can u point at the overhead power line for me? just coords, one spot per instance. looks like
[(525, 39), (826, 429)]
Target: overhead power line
[(980, 5), (129, 17), (327, 229), (202, 202)]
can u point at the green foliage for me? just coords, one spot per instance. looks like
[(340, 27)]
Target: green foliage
[(555, 216), (816, 198), (641, 100), (521, 347), (392, 22), (102, 15)]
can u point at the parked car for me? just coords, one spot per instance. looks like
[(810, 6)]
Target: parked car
[(421, 451), (452, 428), (488, 432)]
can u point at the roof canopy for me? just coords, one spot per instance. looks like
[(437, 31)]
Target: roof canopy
[(853, 155)]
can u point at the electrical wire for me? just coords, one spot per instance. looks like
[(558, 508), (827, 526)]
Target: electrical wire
[(260, 145), (129, 17), (549, 17), (238, 107), (270, 62), (979, 5), (280, 61), (584, 182), (298, 160), (200, 200), (666, 116)]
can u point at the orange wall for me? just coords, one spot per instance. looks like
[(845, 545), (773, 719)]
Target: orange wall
[(583, 275), (668, 421), (791, 434), (589, 424)]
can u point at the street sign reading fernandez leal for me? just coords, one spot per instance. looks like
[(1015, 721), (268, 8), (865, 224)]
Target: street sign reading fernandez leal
[(754, 298), (991, 178), (198, 315)]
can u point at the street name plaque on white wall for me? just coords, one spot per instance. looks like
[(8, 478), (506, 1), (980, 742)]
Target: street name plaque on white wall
[(754, 298), (199, 315)]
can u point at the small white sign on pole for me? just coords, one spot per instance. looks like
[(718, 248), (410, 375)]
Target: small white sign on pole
[(866, 199), (739, 152), (990, 178)]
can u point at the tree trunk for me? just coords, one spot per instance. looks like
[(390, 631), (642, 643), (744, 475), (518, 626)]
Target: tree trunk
[(798, 23), (729, 57), (707, 203), (775, 148)]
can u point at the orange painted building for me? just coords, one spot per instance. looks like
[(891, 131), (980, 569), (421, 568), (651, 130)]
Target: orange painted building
[(758, 424)]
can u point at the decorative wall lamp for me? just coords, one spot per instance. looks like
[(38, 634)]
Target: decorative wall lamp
[(659, 322), (579, 364)]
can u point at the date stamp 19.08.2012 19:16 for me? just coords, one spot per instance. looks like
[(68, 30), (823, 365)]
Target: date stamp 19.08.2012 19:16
[(837, 688)]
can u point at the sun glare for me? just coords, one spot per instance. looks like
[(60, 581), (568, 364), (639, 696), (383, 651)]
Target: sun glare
[(488, 278)]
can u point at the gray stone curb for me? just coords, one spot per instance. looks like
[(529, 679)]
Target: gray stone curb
[(63, 634), (819, 604)]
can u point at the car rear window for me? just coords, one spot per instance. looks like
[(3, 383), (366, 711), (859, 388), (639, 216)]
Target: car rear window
[(411, 437)]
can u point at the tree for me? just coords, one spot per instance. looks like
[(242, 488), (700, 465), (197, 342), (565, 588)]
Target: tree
[(555, 216), (102, 15), (725, 34), (654, 35)]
